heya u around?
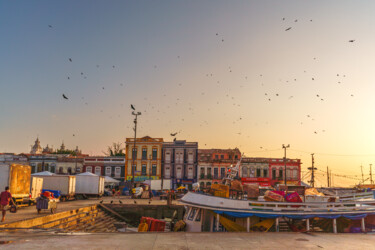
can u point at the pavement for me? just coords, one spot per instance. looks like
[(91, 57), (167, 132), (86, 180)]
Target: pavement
[(182, 240), (24, 213)]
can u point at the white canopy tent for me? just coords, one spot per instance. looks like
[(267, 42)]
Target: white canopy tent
[(44, 173), (87, 174), (110, 180)]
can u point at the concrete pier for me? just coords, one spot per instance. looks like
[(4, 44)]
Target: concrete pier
[(145, 241)]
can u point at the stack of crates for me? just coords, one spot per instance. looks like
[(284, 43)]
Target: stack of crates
[(154, 225), (220, 190)]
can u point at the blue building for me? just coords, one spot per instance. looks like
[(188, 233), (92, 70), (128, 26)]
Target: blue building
[(180, 163)]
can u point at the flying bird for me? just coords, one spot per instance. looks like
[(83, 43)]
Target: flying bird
[(65, 96), (50, 26), (288, 28), (70, 59), (120, 202), (174, 134), (351, 41), (101, 202), (135, 202), (111, 202), (132, 107)]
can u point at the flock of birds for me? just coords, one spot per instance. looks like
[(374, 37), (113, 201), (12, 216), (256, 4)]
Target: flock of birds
[(152, 107)]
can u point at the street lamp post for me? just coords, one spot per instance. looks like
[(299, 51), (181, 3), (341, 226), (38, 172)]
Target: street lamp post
[(136, 114), (285, 147)]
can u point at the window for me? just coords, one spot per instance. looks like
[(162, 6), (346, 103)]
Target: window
[(258, 172), (221, 156), (265, 173), (281, 174), (295, 174), (190, 157), (209, 172), (167, 172), (89, 169), (236, 157), (216, 173), (244, 171), (190, 173), (154, 153), (198, 218), (222, 172), (108, 171), (273, 174), (53, 168), (179, 173), (98, 171), (216, 157), (144, 153), (117, 171), (154, 169), (168, 157), (134, 153), (193, 211), (144, 169), (202, 171)]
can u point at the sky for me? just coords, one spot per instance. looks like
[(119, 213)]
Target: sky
[(224, 74)]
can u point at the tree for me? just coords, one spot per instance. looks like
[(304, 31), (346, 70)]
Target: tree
[(115, 150)]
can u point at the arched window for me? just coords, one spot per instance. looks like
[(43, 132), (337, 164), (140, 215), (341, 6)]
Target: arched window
[(244, 172)]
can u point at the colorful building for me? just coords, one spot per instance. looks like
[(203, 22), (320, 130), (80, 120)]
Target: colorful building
[(145, 158), (180, 161), (112, 166), (213, 164), (270, 171)]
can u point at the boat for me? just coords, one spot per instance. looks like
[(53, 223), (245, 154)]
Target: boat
[(202, 209), (206, 212)]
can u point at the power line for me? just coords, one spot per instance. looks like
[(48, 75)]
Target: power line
[(301, 151)]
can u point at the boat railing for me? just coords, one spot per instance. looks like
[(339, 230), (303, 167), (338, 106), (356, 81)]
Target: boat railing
[(269, 206)]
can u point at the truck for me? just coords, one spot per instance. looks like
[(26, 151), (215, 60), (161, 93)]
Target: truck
[(156, 184), (66, 184), (35, 188), (17, 178), (89, 185)]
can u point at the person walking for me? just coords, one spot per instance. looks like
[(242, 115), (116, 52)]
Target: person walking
[(5, 199)]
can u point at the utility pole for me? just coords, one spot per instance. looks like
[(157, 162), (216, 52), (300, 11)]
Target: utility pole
[(363, 180), (327, 177), (285, 147), (312, 168), (135, 138), (371, 174)]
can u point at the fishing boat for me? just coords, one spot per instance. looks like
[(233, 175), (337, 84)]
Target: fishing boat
[(209, 213)]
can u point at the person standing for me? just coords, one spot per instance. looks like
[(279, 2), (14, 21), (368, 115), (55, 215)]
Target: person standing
[(5, 199)]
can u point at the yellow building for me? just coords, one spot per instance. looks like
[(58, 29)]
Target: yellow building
[(147, 158)]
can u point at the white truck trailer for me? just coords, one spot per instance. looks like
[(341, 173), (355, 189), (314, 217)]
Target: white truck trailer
[(156, 184), (88, 184), (66, 184)]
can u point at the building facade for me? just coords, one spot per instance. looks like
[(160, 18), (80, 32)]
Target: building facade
[(112, 166), (40, 163), (214, 163), (145, 158), (180, 162), (13, 158), (67, 164), (270, 171)]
